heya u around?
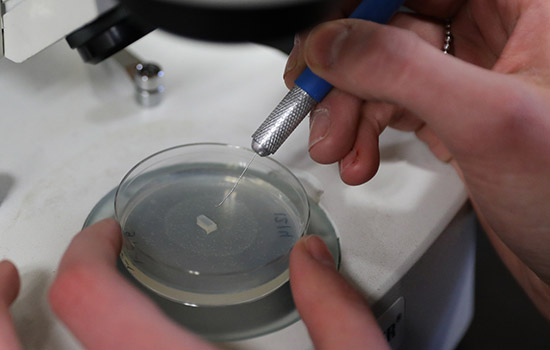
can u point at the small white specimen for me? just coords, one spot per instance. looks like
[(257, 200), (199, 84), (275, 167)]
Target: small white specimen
[(206, 224)]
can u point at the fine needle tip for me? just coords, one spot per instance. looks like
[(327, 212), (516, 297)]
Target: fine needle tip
[(237, 183), (226, 196)]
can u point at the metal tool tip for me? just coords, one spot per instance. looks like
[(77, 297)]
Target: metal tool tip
[(259, 149)]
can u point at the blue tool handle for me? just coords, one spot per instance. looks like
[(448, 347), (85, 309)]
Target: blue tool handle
[(379, 11)]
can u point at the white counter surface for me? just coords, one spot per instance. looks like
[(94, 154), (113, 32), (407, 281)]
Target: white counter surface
[(69, 132)]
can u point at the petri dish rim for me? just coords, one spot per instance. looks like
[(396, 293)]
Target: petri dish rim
[(212, 299), (169, 149)]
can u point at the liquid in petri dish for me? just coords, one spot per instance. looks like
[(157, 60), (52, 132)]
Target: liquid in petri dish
[(176, 235)]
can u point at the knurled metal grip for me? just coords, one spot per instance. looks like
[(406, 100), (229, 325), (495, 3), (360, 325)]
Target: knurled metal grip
[(310, 88), (292, 109)]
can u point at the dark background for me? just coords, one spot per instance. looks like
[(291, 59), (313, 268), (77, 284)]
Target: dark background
[(504, 317)]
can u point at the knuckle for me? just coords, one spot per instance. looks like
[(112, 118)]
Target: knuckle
[(516, 116), (514, 123)]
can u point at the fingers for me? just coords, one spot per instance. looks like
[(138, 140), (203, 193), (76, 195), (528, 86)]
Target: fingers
[(345, 129), (96, 247), (427, 28), (361, 164), (295, 63), (100, 307), (333, 125), (336, 316), (384, 63), (9, 288), (10, 283)]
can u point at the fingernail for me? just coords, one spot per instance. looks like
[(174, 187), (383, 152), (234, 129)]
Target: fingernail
[(348, 160), (292, 60), (326, 43), (318, 250), (319, 126)]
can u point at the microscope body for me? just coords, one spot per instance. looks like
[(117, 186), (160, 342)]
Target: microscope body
[(100, 28), (29, 26)]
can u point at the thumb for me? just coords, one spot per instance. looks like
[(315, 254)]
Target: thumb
[(336, 315), (378, 62)]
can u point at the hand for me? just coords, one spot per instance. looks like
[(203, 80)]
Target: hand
[(96, 303), (485, 111), (336, 316), (9, 287), (100, 307)]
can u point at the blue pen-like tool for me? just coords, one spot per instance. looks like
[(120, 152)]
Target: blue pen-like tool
[(309, 89)]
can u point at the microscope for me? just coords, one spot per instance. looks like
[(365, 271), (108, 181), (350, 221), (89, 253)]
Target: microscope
[(100, 28)]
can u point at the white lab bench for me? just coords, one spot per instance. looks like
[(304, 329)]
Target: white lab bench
[(70, 131)]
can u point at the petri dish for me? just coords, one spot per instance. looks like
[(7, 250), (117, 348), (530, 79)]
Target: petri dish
[(181, 244), (217, 323)]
